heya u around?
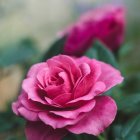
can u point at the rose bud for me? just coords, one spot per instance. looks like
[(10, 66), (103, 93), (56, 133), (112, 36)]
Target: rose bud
[(105, 24)]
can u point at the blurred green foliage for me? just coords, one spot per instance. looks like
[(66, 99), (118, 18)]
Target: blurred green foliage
[(55, 49), (18, 53), (100, 52), (11, 126)]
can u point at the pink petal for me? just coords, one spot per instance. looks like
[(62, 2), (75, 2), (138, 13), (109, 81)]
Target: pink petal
[(40, 131), (27, 114), (33, 106), (95, 67), (85, 68), (41, 75), (57, 121), (90, 26), (54, 70), (98, 87), (29, 86), (36, 68), (73, 114), (53, 91), (37, 107), (98, 119), (109, 75), (82, 59), (62, 99), (67, 64), (18, 104), (51, 103), (79, 39), (67, 82), (88, 80), (15, 107)]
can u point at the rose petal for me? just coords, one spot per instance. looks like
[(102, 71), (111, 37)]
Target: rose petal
[(79, 40), (33, 106), (29, 86), (93, 63), (40, 131), (72, 114), (54, 70), (41, 77), (68, 64), (53, 91), (62, 99), (18, 104), (29, 115), (57, 121), (88, 80), (82, 59), (98, 87), (109, 75), (67, 82), (98, 119), (91, 26), (85, 69), (36, 68)]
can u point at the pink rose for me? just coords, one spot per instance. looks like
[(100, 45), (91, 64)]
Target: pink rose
[(64, 94), (105, 24)]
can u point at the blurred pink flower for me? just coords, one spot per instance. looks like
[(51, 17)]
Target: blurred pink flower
[(105, 24), (64, 94)]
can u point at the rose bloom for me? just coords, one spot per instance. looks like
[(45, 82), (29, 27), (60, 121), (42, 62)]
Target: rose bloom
[(105, 24), (64, 94)]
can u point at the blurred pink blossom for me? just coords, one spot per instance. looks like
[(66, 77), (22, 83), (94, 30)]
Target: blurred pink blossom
[(105, 24)]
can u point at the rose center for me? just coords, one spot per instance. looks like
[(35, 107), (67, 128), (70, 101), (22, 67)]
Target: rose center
[(55, 80)]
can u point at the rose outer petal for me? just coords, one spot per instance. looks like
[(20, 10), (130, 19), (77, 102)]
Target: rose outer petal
[(18, 104), (35, 69), (109, 75), (98, 119), (56, 121), (29, 86), (27, 114), (40, 131)]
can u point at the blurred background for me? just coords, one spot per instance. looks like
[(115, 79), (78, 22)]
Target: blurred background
[(28, 27)]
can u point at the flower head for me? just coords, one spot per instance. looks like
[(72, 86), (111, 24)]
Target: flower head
[(105, 24), (64, 94)]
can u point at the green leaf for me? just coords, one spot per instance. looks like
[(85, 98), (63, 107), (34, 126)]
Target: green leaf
[(129, 58), (132, 83), (129, 101), (17, 53), (100, 52), (55, 49), (133, 137), (131, 127), (117, 132), (125, 49)]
